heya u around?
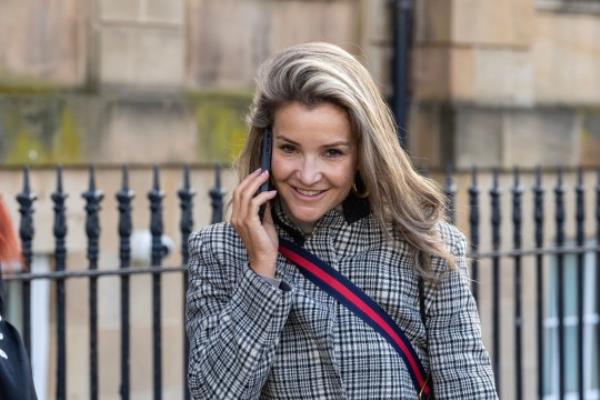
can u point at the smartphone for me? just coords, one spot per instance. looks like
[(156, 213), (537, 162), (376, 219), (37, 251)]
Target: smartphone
[(265, 164)]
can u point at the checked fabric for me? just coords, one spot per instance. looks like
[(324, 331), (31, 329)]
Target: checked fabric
[(252, 340)]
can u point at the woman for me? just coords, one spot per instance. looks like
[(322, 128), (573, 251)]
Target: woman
[(345, 191)]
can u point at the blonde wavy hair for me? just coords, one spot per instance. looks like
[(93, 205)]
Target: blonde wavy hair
[(400, 198)]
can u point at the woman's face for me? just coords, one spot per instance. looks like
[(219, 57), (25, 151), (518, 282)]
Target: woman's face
[(314, 159)]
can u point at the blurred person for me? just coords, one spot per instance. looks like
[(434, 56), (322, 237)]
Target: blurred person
[(16, 382), (352, 285)]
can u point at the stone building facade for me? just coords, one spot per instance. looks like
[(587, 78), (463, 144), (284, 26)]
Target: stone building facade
[(493, 83)]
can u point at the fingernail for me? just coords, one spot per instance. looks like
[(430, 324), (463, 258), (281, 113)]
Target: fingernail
[(265, 172), (256, 172)]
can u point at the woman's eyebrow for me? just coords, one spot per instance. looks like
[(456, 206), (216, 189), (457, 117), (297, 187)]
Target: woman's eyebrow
[(332, 144)]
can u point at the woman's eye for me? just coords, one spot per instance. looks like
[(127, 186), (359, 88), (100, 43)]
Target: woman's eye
[(286, 148), (334, 153)]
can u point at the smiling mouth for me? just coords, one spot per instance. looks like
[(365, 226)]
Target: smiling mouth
[(309, 193)]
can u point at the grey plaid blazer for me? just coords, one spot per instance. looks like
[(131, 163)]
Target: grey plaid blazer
[(252, 340)]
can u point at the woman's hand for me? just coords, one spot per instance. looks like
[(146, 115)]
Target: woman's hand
[(260, 239)]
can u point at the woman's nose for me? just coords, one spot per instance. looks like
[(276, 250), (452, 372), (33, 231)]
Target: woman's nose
[(309, 172)]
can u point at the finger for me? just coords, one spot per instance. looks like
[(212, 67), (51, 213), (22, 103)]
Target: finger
[(249, 192), (268, 218), (251, 188), (242, 185), (258, 201), (240, 190)]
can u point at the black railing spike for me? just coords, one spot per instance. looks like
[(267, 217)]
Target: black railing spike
[(186, 225), (538, 217), (26, 233), (59, 179), (157, 253), (60, 255), (580, 240), (186, 177), (124, 198), (538, 208), (93, 198), (92, 182), (216, 196), (517, 195), (474, 232), (559, 218), (580, 204), (155, 180), (125, 178), (26, 186), (496, 220)]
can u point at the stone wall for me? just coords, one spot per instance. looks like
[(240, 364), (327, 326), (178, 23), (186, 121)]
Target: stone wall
[(108, 81), (90, 81), (505, 83)]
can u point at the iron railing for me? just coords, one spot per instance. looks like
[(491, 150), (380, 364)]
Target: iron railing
[(496, 258)]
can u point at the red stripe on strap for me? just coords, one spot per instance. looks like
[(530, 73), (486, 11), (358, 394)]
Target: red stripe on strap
[(348, 294)]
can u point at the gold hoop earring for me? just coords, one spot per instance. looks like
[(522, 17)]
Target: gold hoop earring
[(363, 195)]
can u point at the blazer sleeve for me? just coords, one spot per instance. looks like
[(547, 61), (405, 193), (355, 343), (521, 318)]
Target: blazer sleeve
[(460, 365), (234, 319)]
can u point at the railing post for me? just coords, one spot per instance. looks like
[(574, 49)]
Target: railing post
[(124, 198), (26, 233), (474, 225), (538, 216), (579, 221), (60, 254), (186, 225), (93, 198), (216, 196), (496, 221), (156, 228), (560, 241), (517, 193)]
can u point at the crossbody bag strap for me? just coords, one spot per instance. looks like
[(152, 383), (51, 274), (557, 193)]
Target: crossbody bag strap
[(352, 297)]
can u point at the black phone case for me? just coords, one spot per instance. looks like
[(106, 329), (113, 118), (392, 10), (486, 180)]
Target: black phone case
[(265, 164)]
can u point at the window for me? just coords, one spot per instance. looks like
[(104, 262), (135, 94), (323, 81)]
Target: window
[(590, 334)]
